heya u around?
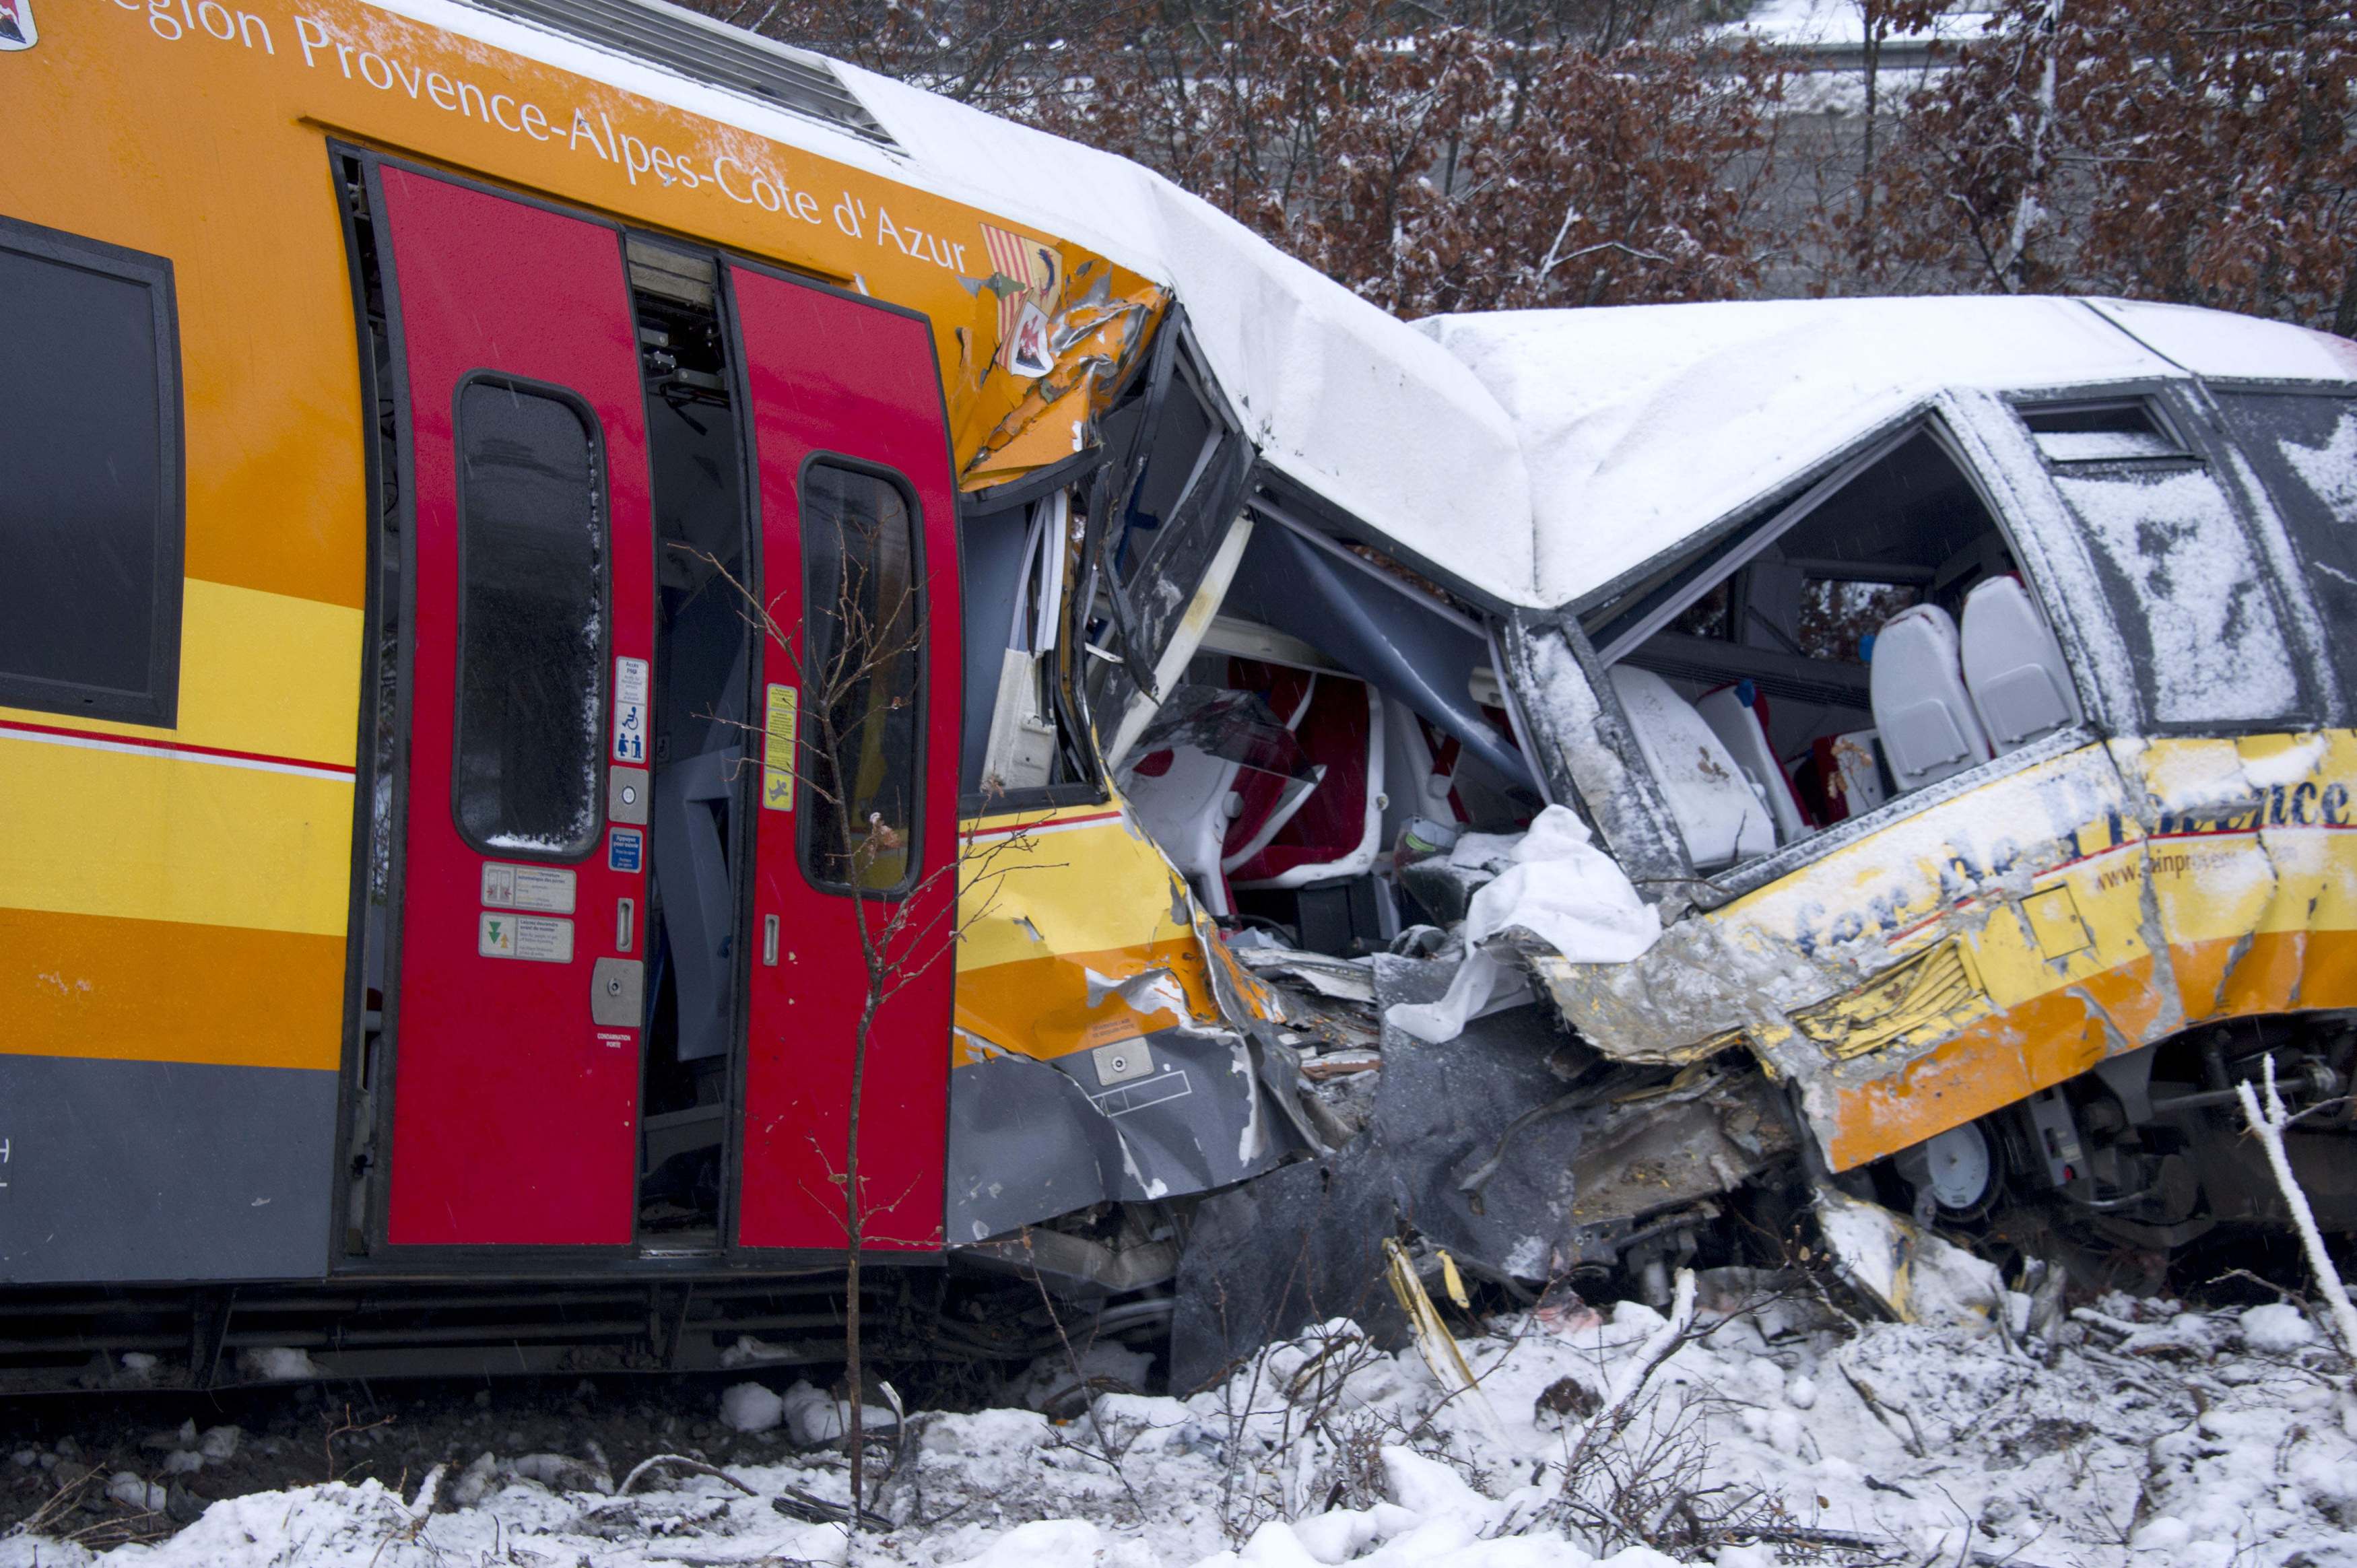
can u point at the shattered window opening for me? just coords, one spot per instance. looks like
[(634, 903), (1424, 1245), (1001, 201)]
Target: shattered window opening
[(2112, 431), (1749, 669)]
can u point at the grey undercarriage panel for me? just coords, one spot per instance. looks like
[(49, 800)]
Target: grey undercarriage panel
[(144, 1170), (1179, 1111)]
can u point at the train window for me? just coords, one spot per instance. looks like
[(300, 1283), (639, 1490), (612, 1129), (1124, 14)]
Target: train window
[(532, 619), (2194, 602), (2305, 448), (90, 479), (862, 654)]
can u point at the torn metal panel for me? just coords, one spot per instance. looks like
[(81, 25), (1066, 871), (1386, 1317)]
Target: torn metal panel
[(1704, 1133), (1094, 334), (1379, 630), (1516, 1150), (1589, 753), (1303, 1243), (1175, 1112)]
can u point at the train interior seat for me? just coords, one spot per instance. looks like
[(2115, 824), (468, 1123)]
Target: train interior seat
[(1738, 715), (1921, 709), (1718, 813), (2012, 666), (1334, 828), (1187, 799)]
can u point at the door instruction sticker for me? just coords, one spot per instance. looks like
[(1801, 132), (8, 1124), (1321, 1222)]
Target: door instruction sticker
[(777, 749), (546, 888), (630, 710), (532, 936), (625, 849)]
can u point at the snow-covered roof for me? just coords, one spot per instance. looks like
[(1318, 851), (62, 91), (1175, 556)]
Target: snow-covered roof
[(1643, 425), (1344, 399)]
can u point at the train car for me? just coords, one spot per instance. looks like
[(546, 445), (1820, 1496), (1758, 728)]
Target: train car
[(1991, 661), (539, 650)]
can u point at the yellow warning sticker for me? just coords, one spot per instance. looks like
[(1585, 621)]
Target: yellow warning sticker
[(777, 749)]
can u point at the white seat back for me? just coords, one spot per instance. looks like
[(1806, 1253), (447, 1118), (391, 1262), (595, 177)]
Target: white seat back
[(1718, 814), (2012, 667), (1186, 809), (1737, 724), (1925, 716)]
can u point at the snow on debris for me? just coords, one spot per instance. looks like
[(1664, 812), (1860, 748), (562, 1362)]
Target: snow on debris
[(1553, 883), (2130, 1433)]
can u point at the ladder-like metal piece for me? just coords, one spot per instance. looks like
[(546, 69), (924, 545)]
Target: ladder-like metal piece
[(706, 51)]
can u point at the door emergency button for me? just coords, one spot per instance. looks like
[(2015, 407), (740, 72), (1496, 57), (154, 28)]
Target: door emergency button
[(626, 795), (616, 990)]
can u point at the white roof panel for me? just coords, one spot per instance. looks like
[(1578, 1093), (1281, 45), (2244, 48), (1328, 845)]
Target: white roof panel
[(2218, 343), (1644, 424), (1348, 401)]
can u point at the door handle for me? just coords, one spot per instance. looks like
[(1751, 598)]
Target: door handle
[(770, 940), (625, 919)]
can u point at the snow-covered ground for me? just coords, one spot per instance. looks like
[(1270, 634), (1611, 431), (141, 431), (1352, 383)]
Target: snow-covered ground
[(2132, 1432)]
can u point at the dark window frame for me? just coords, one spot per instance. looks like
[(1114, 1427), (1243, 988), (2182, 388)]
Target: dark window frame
[(2148, 400), (806, 740), (159, 704), (601, 491)]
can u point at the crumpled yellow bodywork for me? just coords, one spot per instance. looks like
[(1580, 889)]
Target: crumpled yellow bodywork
[(2004, 936), (1076, 933)]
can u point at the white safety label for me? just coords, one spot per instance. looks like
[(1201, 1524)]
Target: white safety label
[(532, 936), (546, 888), (630, 710)]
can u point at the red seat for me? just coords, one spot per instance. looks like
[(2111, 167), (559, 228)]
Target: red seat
[(1332, 829)]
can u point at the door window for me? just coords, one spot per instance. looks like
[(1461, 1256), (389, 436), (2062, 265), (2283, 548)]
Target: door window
[(862, 656), (532, 620)]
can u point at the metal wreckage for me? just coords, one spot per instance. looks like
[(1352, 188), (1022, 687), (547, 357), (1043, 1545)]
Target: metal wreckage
[(1899, 756)]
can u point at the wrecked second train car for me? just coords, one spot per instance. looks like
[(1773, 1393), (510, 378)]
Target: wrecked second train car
[(1566, 787), (1958, 687)]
